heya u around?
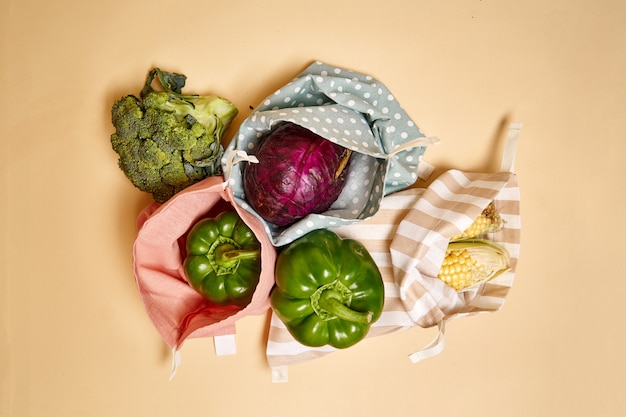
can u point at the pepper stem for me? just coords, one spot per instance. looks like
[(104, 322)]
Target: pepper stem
[(331, 301), (227, 254)]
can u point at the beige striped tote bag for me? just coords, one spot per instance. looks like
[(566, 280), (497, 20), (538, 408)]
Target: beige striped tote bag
[(408, 239)]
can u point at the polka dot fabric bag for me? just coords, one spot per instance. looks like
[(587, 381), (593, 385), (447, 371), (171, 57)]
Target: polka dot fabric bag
[(350, 109), (408, 238)]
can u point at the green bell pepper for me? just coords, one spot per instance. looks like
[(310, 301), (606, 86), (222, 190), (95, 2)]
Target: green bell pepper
[(328, 290), (223, 260)]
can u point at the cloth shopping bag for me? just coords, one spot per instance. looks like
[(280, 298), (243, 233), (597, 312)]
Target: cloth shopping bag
[(407, 238), (353, 110), (177, 311)]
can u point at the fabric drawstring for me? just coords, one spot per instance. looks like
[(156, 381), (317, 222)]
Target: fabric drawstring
[(175, 362), (423, 141), (224, 345), (232, 158), (424, 169), (434, 348)]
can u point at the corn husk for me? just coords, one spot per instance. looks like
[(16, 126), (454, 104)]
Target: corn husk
[(470, 262), (489, 221)]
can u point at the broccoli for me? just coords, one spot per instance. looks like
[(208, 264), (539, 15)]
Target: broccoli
[(167, 141)]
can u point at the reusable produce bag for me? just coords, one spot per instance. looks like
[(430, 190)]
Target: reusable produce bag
[(408, 238), (353, 110), (177, 310)]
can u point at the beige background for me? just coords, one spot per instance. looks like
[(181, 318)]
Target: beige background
[(75, 340)]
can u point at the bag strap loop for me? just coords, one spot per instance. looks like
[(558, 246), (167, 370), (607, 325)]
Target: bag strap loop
[(434, 348), (510, 147)]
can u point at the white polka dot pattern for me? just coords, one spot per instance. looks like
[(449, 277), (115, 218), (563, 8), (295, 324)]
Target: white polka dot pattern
[(348, 108)]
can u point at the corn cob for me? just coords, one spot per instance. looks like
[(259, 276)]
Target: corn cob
[(489, 221), (472, 261)]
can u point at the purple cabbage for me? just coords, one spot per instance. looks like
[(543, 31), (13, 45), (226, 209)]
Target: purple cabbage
[(298, 173)]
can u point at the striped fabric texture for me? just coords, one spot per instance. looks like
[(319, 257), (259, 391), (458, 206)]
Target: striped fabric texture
[(408, 238)]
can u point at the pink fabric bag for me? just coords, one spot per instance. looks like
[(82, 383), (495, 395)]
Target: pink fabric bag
[(177, 310)]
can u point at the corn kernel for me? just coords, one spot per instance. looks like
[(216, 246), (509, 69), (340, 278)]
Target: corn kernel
[(489, 221), (472, 261)]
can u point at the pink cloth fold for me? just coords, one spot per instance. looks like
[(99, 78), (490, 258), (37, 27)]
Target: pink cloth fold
[(177, 311)]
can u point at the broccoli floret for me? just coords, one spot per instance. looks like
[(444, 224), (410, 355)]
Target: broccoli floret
[(167, 141), (127, 117)]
